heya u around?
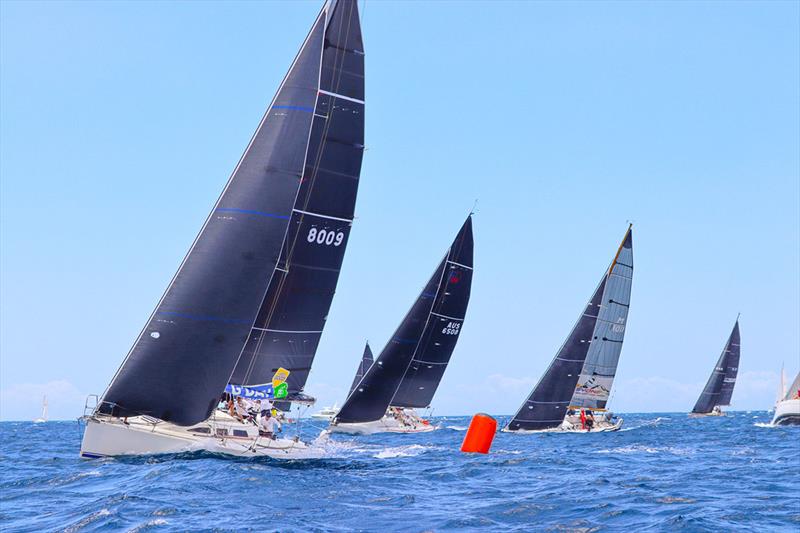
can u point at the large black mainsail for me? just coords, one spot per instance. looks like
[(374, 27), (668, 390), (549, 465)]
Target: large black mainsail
[(366, 361), (719, 387), (546, 406), (420, 348), (184, 356), (293, 312)]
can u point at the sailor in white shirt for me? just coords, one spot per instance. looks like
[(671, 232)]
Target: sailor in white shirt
[(268, 425)]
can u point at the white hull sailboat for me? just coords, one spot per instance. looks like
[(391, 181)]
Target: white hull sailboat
[(42, 419), (572, 394), (254, 291), (787, 409), (107, 436)]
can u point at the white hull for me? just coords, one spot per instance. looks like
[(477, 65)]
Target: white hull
[(787, 413), (387, 424), (567, 427), (112, 437)]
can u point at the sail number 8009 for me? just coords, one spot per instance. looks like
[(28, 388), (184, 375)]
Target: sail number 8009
[(325, 236)]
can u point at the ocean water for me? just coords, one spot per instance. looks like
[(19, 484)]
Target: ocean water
[(662, 472)]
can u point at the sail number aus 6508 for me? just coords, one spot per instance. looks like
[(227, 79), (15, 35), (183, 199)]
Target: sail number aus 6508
[(452, 328), (325, 236)]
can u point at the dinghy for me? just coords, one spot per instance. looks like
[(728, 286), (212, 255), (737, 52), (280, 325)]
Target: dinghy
[(572, 394), (253, 293), (408, 371), (787, 409), (719, 388)]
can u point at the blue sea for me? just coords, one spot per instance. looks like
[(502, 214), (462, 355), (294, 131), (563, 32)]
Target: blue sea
[(663, 472)]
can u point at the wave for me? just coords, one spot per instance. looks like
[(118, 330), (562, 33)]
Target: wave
[(638, 448)]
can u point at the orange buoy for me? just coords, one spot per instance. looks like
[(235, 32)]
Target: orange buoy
[(480, 434)]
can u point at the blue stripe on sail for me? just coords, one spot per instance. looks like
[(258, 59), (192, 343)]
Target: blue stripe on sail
[(429, 295), (404, 341), (205, 317), (251, 212), (294, 108)]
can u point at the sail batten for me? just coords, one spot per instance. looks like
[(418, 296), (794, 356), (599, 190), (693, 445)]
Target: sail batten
[(404, 374)]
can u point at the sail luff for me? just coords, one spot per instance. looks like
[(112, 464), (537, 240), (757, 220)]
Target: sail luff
[(363, 366), (196, 332)]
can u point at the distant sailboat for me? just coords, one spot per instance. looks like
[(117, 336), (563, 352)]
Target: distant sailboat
[(328, 413), (580, 377), (408, 371), (42, 418), (250, 300), (787, 410), (719, 387)]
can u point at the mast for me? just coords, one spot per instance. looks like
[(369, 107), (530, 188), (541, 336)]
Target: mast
[(182, 359), (597, 376), (422, 345), (719, 387), (294, 310)]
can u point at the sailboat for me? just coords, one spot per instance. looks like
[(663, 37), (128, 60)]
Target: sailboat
[(787, 409), (719, 388), (252, 295), (42, 419), (577, 384), (367, 359), (408, 370)]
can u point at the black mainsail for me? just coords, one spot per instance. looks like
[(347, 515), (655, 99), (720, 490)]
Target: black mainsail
[(556, 391), (719, 387), (366, 361), (293, 312), (418, 352), (194, 338)]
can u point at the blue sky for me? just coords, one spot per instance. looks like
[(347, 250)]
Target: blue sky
[(121, 122)]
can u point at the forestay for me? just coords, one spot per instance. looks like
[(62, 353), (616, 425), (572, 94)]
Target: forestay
[(193, 339), (597, 377), (420, 348), (292, 315), (719, 387)]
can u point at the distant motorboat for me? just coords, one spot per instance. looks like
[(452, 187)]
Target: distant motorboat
[(787, 410), (327, 413), (42, 419)]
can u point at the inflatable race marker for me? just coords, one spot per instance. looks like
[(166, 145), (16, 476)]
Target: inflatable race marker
[(480, 434)]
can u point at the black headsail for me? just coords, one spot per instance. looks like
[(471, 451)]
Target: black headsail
[(421, 346), (181, 361), (366, 361), (293, 312), (719, 388), (547, 404)]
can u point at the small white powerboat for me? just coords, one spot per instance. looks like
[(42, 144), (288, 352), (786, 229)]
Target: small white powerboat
[(326, 413)]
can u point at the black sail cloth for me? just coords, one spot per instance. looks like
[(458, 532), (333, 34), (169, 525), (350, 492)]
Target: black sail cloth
[(422, 345), (366, 362), (719, 387), (189, 347), (292, 315)]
